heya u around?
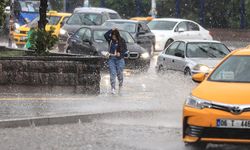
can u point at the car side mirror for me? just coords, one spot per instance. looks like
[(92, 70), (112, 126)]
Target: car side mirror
[(181, 30), (199, 77), (62, 24), (71, 33)]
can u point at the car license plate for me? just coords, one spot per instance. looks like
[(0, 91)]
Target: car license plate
[(228, 123)]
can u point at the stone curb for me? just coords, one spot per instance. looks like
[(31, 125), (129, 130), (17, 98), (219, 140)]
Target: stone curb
[(51, 120), (70, 119)]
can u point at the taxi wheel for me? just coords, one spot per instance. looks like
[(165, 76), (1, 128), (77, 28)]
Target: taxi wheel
[(196, 146)]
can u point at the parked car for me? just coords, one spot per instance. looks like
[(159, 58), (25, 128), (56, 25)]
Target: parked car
[(167, 30), (139, 30), (192, 56), (86, 16), (217, 111), (90, 41), (54, 20)]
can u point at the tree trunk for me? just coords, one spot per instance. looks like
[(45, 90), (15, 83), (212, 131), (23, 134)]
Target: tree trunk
[(42, 11)]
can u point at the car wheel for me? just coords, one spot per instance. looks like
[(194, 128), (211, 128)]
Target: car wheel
[(187, 72), (169, 41), (196, 146)]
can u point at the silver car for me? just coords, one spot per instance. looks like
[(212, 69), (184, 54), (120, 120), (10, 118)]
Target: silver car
[(191, 56)]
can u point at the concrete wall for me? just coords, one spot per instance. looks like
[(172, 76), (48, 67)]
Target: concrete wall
[(50, 74)]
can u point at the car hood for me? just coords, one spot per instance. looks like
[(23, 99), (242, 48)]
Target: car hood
[(132, 47), (228, 93), (210, 62)]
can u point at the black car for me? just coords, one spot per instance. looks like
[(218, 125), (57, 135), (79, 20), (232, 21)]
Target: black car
[(90, 41), (139, 30)]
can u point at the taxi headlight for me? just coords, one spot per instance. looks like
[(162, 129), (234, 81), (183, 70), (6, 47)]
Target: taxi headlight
[(145, 55), (195, 102), (63, 32)]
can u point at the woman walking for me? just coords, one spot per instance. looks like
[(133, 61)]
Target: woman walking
[(117, 52)]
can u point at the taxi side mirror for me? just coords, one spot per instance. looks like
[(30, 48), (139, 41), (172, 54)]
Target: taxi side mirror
[(199, 77)]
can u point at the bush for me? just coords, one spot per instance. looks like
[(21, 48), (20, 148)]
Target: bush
[(42, 41)]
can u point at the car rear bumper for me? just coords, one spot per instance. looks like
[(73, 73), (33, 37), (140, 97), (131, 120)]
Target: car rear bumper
[(200, 126)]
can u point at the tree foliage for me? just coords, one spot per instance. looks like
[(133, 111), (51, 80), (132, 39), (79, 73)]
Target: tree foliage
[(42, 41)]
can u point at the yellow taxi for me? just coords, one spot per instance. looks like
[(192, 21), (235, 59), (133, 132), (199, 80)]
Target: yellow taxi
[(55, 20), (218, 109), (143, 19)]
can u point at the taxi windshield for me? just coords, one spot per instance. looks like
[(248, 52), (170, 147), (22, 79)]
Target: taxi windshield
[(234, 69)]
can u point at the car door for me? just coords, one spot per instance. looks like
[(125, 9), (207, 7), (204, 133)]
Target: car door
[(150, 36), (178, 59), (168, 56), (180, 31), (85, 46), (142, 38), (194, 30)]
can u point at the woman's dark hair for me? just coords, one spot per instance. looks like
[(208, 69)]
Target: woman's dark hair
[(116, 33)]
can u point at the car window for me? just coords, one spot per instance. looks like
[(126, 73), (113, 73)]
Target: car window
[(192, 26), (79, 34), (181, 25), (127, 26), (85, 19), (234, 69), (87, 35), (179, 52), (206, 50), (52, 20), (161, 25), (145, 27), (171, 49), (114, 16)]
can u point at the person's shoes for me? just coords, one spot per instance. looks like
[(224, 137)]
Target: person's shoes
[(112, 91)]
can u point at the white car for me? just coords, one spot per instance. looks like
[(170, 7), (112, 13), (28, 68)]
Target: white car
[(167, 30), (191, 56)]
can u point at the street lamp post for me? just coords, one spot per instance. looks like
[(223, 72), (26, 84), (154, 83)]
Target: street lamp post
[(153, 11)]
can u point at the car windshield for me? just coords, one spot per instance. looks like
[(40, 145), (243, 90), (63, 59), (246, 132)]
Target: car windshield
[(161, 25), (99, 36), (30, 6), (127, 26), (234, 69), (52, 20), (85, 19), (206, 50)]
